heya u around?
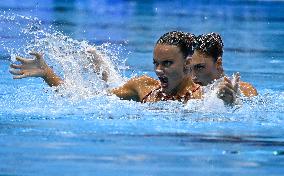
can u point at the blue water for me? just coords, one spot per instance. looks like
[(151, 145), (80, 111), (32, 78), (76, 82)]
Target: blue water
[(80, 132)]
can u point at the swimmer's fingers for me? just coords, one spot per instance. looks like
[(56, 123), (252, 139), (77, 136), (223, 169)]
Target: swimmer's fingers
[(237, 74), (16, 72), (22, 73), (224, 94), (37, 55), (15, 66), (227, 94), (238, 78), (92, 50), (226, 83), (24, 60), (96, 56), (20, 76), (228, 99), (226, 90), (237, 81)]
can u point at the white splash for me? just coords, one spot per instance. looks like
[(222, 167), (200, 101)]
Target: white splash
[(68, 57)]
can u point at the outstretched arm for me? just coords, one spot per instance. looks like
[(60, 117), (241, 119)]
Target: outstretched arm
[(35, 68), (99, 64)]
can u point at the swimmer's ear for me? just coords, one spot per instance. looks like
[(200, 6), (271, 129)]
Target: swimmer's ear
[(187, 64), (218, 64)]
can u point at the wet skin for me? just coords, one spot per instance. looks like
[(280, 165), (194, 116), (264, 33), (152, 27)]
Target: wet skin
[(203, 69), (169, 65)]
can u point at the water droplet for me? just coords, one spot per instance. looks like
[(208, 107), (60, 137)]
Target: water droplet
[(281, 152)]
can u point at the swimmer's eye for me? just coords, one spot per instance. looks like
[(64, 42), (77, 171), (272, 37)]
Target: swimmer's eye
[(199, 67), (167, 63)]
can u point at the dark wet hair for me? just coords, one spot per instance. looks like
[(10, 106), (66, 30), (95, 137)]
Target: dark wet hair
[(211, 44), (185, 41)]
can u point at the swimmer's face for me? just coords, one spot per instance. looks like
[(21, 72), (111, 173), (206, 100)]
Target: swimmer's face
[(169, 65), (203, 69)]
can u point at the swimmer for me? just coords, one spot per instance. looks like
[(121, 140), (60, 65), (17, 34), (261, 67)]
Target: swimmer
[(171, 64), (206, 67)]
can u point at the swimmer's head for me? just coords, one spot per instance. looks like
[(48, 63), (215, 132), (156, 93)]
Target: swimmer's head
[(183, 40), (170, 59), (206, 61), (210, 44)]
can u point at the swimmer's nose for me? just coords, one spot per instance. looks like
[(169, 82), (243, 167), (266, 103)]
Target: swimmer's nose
[(159, 70), (192, 74), (194, 78)]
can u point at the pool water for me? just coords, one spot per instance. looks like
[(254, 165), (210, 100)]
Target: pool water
[(79, 131)]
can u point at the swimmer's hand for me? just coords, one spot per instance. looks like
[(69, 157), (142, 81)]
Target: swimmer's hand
[(34, 68), (92, 50), (29, 67), (99, 65), (95, 54), (228, 90)]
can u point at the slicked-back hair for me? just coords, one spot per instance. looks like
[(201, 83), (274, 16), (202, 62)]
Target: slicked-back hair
[(185, 41), (211, 44)]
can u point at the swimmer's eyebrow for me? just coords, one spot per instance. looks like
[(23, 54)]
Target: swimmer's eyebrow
[(199, 65)]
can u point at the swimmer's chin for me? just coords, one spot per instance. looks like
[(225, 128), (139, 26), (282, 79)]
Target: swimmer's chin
[(167, 90), (164, 85)]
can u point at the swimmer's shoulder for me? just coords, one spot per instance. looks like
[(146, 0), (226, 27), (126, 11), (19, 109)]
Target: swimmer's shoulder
[(136, 88), (144, 85), (145, 79), (247, 89), (141, 81)]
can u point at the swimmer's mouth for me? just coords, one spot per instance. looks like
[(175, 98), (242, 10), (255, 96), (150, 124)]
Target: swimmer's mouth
[(197, 82), (164, 81)]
